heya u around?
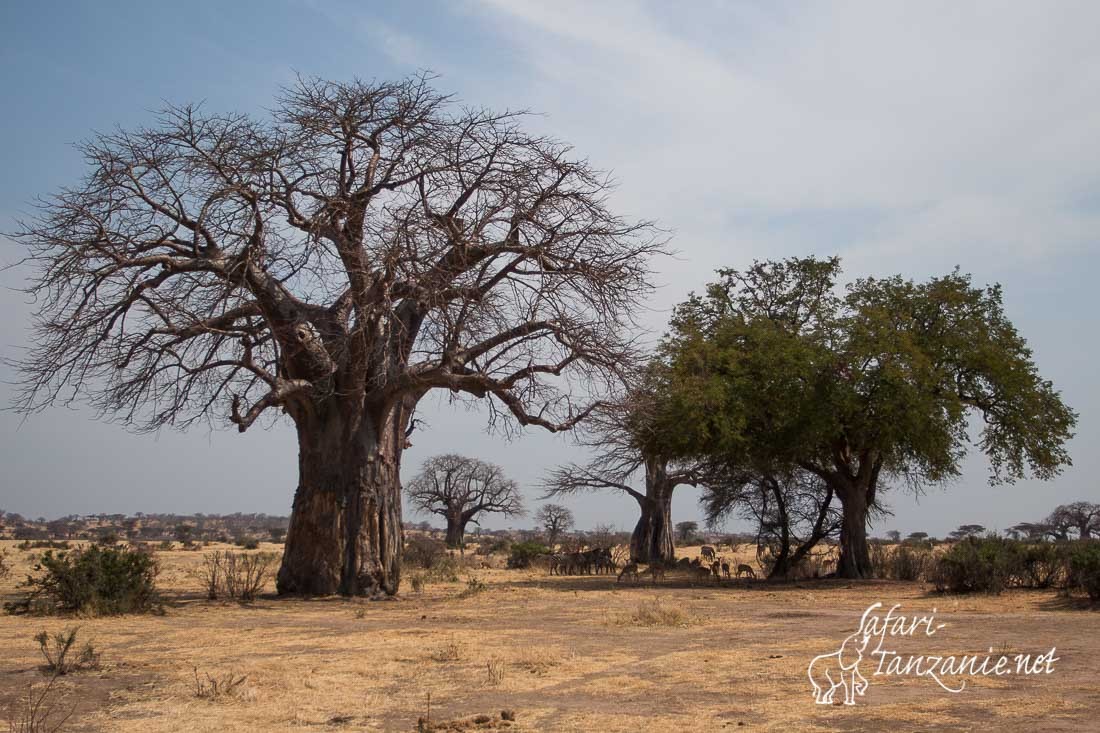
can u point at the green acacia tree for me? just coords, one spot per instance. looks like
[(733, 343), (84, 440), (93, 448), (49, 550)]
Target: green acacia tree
[(771, 369)]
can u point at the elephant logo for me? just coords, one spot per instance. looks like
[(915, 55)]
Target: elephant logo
[(840, 669)]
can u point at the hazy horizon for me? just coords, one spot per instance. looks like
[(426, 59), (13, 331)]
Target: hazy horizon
[(906, 138)]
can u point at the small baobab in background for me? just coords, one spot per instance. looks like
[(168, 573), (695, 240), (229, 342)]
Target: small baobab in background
[(459, 489)]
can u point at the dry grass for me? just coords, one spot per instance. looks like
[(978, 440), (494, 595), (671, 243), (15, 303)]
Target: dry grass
[(652, 612), (703, 658)]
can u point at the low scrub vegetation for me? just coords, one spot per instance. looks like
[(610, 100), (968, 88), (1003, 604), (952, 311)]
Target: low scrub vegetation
[(222, 687), (235, 575), (424, 552), (523, 553), (1084, 569), (992, 565), (902, 562), (91, 581), (653, 613), (60, 652)]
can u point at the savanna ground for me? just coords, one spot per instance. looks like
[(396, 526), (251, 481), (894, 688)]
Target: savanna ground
[(564, 653)]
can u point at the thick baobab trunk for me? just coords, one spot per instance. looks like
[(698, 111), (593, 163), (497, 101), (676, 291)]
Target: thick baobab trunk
[(456, 530), (855, 554), (345, 531), (652, 538)]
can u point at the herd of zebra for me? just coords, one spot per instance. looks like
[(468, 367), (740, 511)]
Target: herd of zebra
[(708, 566)]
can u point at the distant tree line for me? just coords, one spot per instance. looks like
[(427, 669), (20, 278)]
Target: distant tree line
[(185, 528)]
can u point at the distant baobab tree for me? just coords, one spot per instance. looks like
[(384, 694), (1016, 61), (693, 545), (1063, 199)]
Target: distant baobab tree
[(459, 489), (362, 245), (555, 520), (629, 458), (1082, 516)]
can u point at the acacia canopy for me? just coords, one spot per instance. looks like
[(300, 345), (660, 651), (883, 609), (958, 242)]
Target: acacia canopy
[(772, 370)]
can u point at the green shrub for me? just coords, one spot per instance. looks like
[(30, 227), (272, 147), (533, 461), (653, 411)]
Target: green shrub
[(60, 652), (987, 565), (1042, 564), (424, 552), (1084, 568), (523, 553), (94, 580)]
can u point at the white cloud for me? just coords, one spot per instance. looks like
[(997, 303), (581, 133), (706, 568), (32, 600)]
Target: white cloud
[(972, 123)]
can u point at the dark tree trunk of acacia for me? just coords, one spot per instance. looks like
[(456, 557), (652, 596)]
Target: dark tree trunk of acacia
[(345, 531), (855, 554), (652, 538)]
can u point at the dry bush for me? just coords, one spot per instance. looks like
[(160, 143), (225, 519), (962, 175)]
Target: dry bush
[(538, 660), (38, 710), (60, 652), (424, 552), (473, 587), (494, 669), (448, 652), (901, 562), (224, 687), (652, 613), (5, 565), (620, 555), (234, 575)]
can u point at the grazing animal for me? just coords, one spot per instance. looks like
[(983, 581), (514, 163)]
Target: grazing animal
[(656, 571), (695, 563), (700, 573), (707, 552), (744, 569), (683, 563), (726, 569), (715, 569), (630, 571)]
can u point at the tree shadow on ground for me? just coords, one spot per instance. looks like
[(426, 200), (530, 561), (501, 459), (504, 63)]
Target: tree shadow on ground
[(681, 581)]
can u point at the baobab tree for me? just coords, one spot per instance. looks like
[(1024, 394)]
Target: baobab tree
[(620, 432), (362, 245), (1083, 516), (554, 520), (458, 489)]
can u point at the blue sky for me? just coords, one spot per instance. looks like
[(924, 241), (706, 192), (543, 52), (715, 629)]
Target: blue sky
[(905, 137)]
